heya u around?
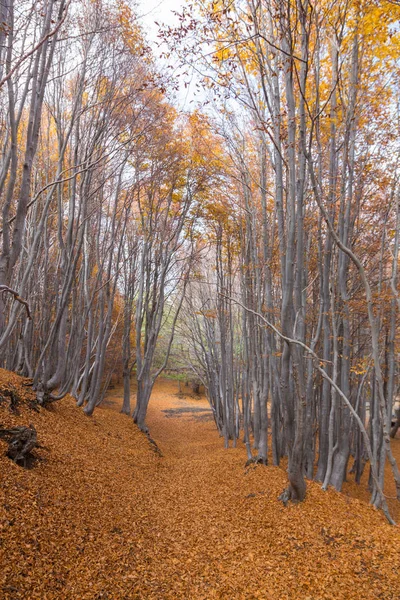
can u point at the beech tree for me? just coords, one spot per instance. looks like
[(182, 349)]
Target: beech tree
[(292, 84), (262, 233)]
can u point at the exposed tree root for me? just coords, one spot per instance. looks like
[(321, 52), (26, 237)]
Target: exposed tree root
[(154, 445), (289, 495), (144, 429), (43, 396), (12, 398), (21, 441), (256, 460)]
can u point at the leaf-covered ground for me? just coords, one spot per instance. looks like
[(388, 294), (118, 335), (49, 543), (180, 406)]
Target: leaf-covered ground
[(102, 515)]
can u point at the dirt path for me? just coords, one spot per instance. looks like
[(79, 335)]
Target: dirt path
[(105, 517), (221, 532)]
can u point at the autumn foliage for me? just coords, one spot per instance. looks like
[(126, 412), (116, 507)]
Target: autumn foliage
[(104, 516)]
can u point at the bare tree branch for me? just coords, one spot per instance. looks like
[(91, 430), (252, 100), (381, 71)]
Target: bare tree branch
[(6, 289), (35, 48)]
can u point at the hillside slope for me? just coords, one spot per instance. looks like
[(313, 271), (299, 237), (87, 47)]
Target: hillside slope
[(102, 515)]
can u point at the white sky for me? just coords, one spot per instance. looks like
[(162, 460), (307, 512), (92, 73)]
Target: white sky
[(150, 11), (160, 11)]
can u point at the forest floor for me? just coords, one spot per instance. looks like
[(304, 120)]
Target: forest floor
[(103, 515)]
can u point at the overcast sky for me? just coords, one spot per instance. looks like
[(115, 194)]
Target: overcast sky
[(157, 10), (150, 11)]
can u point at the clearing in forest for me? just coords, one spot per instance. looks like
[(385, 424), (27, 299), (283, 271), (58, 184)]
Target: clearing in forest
[(103, 515)]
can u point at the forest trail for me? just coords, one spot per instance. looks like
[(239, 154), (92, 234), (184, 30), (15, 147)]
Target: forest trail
[(105, 516)]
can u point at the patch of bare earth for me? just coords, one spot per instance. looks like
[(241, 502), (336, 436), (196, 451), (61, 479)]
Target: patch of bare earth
[(102, 515)]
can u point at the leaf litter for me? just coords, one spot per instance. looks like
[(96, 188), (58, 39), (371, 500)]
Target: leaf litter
[(104, 516)]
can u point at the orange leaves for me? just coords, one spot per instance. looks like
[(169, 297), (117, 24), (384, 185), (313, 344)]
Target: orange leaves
[(131, 32), (103, 517)]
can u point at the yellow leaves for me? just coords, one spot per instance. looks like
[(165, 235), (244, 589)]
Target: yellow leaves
[(131, 32), (360, 367), (104, 86), (208, 314), (207, 148), (376, 24), (223, 53)]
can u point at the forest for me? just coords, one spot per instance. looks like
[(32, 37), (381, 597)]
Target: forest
[(247, 247)]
